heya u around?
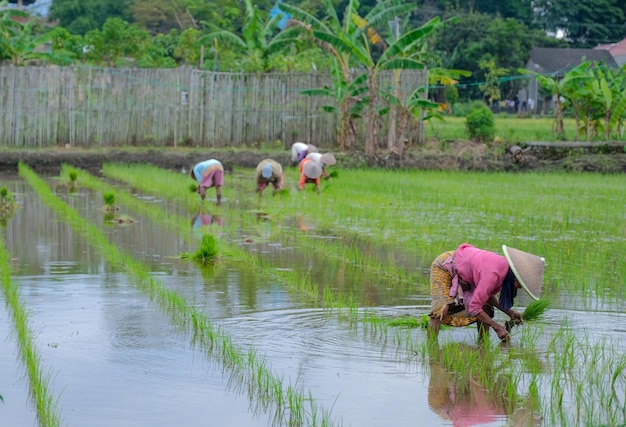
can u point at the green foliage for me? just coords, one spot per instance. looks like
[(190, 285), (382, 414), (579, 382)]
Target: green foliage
[(480, 123), (260, 38), (3, 192), (73, 175), (109, 198), (117, 39), (82, 16)]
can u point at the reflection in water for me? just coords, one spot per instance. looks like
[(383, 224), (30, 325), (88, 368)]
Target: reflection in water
[(470, 395), (460, 399), (202, 219)]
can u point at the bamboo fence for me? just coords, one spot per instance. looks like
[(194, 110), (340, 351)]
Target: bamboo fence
[(107, 107)]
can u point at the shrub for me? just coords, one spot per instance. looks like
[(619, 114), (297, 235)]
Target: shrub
[(480, 123)]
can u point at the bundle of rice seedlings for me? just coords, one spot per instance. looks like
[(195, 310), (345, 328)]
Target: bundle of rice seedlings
[(409, 322), (535, 309), (207, 253), (193, 187)]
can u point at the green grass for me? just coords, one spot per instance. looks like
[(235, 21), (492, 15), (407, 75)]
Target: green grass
[(509, 129)]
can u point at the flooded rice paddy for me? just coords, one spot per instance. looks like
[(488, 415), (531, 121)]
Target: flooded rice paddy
[(301, 298)]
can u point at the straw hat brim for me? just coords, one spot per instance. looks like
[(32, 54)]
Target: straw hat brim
[(312, 170), (528, 270), (328, 159)]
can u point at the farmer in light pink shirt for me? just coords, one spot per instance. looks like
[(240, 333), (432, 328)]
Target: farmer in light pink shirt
[(466, 285), (209, 173)]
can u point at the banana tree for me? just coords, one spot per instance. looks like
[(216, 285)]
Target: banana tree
[(557, 85), (416, 109), (358, 45), (260, 38), (578, 94), (608, 91), (308, 22), (348, 102)]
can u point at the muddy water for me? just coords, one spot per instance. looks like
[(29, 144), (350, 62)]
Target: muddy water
[(115, 359)]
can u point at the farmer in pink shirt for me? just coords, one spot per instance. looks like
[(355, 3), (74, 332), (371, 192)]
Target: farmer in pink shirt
[(466, 285), (209, 173)]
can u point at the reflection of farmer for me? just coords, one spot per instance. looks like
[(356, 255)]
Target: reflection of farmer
[(209, 173), (326, 159), (299, 150), (470, 399), (464, 284), (201, 220), (460, 399), (310, 172), (268, 172)]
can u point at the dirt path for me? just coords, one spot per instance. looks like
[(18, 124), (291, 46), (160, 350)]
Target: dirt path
[(458, 156)]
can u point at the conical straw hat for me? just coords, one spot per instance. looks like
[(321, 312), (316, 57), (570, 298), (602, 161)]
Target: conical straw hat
[(266, 172), (528, 269), (328, 159), (311, 148), (312, 169)]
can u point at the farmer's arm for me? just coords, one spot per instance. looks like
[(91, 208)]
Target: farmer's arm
[(511, 313), (482, 296)]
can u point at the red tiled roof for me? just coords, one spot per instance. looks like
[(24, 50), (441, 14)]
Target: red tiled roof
[(618, 48)]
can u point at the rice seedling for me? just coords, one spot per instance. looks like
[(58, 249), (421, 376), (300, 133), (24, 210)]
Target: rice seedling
[(532, 312), (45, 403), (207, 253), (7, 203), (109, 202), (535, 309)]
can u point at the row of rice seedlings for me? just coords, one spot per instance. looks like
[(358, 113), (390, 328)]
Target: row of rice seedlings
[(135, 177), (45, 402), (244, 366), (146, 178), (588, 383), (523, 213), (304, 287)]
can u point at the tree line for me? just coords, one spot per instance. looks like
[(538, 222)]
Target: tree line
[(464, 44)]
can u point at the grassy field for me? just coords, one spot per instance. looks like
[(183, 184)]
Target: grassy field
[(508, 128)]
